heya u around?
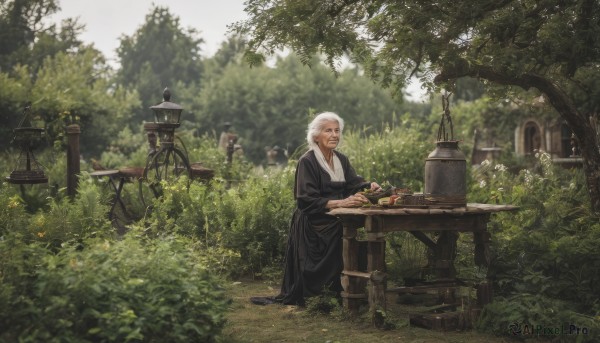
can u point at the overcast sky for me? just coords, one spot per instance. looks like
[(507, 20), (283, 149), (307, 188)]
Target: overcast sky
[(107, 20)]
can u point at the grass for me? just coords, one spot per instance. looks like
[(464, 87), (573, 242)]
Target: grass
[(280, 323)]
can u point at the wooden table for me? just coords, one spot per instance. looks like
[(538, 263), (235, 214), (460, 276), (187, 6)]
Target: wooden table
[(377, 221), (116, 178)]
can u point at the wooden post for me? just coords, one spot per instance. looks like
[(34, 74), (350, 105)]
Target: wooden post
[(73, 164)]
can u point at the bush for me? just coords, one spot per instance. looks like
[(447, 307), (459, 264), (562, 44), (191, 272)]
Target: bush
[(66, 220), (102, 291), (395, 156), (536, 316), (254, 218), (549, 247), (240, 229), (13, 215)]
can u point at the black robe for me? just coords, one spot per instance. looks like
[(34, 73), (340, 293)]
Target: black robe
[(313, 259)]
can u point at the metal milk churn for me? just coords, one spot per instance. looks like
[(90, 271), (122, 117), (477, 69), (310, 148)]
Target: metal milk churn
[(446, 168)]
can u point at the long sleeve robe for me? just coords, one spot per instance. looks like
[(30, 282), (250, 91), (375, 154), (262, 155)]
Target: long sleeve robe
[(313, 260)]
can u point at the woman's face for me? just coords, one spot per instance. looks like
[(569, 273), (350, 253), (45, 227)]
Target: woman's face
[(329, 137)]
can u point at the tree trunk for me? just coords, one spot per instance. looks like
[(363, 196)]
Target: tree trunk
[(584, 128), (591, 167)]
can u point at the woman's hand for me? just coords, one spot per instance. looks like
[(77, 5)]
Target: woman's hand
[(375, 187), (355, 200)]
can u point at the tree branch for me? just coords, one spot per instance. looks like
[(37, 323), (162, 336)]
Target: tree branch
[(557, 97)]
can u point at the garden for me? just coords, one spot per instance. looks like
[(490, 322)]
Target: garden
[(68, 276), (180, 264)]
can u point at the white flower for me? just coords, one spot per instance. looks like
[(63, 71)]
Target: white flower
[(485, 163), (528, 177), (500, 167), (482, 183)]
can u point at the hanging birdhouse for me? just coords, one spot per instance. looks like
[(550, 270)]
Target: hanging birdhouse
[(27, 138)]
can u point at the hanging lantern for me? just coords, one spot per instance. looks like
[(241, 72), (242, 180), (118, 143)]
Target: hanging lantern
[(27, 138), (446, 167)]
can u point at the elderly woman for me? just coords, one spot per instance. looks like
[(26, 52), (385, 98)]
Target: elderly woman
[(324, 180)]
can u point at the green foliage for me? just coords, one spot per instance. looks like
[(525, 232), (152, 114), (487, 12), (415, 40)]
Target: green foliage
[(324, 303), (127, 290), (495, 120), (160, 54), (204, 150), (547, 46), (68, 220), (424, 38), (527, 315), (270, 106), (68, 88), (52, 70), (539, 249), (21, 23), (98, 104), (13, 215), (395, 156), (256, 216), (242, 229)]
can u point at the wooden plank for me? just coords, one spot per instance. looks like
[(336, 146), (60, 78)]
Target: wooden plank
[(355, 273), (421, 236), (353, 296), (469, 223), (422, 289), (377, 210)]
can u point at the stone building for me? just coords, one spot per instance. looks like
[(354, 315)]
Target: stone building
[(533, 135)]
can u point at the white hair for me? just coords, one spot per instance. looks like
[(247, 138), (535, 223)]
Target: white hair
[(316, 125)]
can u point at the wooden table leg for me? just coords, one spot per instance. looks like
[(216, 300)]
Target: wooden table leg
[(445, 253), (351, 294), (482, 248), (376, 266), (118, 191)]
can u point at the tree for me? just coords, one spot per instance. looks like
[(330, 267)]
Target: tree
[(26, 38), (230, 52), (27, 42), (549, 46), (20, 21), (160, 54), (271, 105), (68, 88)]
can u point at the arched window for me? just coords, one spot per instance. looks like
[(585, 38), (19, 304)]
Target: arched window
[(533, 138)]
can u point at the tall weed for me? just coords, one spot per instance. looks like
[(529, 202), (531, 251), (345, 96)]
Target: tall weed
[(86, 216)]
